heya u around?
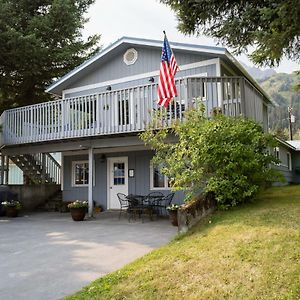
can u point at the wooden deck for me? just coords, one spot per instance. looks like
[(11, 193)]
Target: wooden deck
[(127, 110)]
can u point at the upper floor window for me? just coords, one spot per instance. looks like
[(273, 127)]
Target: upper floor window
[(80, 172), (130, 56)]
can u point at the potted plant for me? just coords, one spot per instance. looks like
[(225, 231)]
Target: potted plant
[(12, 208), (173, 209), (78, 210)]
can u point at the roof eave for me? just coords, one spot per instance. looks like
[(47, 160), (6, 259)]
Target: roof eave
[(154, 43), (249, 77)]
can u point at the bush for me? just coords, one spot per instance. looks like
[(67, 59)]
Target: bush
[(226, 156)]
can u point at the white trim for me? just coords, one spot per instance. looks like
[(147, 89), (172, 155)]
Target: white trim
[(141, 42), (289, 162), (152, 188), (73, 173), (135, 56), (62, 172), (108, 174), (203, 63)]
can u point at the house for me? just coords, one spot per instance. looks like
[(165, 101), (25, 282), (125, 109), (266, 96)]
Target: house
[(106, 102), (288, 152)]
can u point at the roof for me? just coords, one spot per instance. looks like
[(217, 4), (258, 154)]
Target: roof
[(294, 144), (125, 41)]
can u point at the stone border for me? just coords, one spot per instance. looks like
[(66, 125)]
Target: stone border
[(193, 211)]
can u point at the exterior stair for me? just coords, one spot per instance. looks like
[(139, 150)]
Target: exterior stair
[(38, 168), (54, 203)]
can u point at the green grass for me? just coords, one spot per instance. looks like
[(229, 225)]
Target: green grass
[(251, 252)]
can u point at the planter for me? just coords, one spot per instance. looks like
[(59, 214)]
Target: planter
[(11, 212), (78, 214), (173, 217)]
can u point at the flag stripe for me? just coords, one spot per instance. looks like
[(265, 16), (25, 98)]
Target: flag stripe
[(168, 68)]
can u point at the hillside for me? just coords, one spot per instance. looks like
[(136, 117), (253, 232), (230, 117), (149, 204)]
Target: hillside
[(251, 252), (280, 87)]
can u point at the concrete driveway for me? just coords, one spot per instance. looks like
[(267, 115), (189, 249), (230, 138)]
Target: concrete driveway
[(48, 256)]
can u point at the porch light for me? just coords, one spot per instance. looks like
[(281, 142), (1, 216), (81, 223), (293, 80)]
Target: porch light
[(151, 79), (108, 88), (102, 158)]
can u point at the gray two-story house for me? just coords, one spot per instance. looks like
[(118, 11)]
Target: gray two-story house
[(105, 102)]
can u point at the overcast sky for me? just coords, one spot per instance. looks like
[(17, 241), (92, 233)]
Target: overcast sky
[(146, 19)]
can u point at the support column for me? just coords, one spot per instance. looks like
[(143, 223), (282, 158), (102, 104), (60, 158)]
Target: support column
[(2, 169), (6, 164), (43, 168), (91, 179)]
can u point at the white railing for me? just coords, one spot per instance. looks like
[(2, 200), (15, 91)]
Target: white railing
[(115, 112)]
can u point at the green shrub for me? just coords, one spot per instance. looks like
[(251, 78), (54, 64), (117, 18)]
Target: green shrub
[(223, 155)]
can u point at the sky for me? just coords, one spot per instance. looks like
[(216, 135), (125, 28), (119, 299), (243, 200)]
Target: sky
[(147, 19)]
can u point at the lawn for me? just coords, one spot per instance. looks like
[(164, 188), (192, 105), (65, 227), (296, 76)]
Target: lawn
[(251, 252)]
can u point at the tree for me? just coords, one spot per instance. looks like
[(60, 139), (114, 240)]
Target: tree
[(226, 156), (271, 26), (40, 40)]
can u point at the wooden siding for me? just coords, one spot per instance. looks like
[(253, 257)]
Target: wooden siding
[(148, 61), (140, 184), (127, 110)]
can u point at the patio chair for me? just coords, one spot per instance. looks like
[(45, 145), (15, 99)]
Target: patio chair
[(154, 199), (139, 205), (165, 202), (124, 204)]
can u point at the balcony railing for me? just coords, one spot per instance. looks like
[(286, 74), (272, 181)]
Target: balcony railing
[(116, 112)]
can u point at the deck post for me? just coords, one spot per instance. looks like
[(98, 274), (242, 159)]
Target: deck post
[(91, 179), (6, 163), (43, 168), (2, 169)]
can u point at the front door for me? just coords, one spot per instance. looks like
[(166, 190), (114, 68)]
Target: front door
[(117, 180)]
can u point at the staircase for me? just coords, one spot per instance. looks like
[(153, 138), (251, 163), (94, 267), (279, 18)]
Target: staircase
[(38, 168)]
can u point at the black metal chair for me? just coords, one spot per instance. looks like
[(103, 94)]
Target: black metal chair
[(139, 205), (124, 204), (154, 199), (164, 202)]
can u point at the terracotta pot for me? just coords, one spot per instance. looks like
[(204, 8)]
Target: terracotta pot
[(11, 212), (173, 217), (78, 214)]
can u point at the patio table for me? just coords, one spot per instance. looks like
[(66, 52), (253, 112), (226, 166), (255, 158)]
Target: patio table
[(139, 204)]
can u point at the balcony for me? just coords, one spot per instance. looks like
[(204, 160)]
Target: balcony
[(126, 111)]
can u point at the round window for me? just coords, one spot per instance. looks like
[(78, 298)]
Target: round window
[(130, 56)]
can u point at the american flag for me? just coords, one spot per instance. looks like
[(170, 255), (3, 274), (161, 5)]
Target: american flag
[(166, 86)]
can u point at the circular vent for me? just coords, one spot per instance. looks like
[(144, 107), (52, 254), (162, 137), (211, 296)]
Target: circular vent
[(130, 56)]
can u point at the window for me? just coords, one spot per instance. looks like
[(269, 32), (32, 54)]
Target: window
[(157, 179), (277, 154), (80, 173), (289, 161), (119, 173), (130, 56)]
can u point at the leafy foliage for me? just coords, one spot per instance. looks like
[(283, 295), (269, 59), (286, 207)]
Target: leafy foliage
[(272, 27), (40, 40), (226, 156)]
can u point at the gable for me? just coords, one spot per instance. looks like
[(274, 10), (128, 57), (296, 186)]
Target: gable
[(148, 61)]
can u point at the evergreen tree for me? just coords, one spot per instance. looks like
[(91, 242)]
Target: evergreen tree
[(40, 40), (271, 26)]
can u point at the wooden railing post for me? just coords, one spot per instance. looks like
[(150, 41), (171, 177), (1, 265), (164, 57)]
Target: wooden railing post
[(243, 100)]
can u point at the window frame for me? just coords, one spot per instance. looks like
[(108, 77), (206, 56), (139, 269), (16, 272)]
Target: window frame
[(74, 175), (277, 155), (289, 161), (152, 187)]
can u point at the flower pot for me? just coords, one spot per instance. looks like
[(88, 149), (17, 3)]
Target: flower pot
[(11, 212), (173, 217), (78, 214)]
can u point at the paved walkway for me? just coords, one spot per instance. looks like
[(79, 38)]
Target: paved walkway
[(48, 256)]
